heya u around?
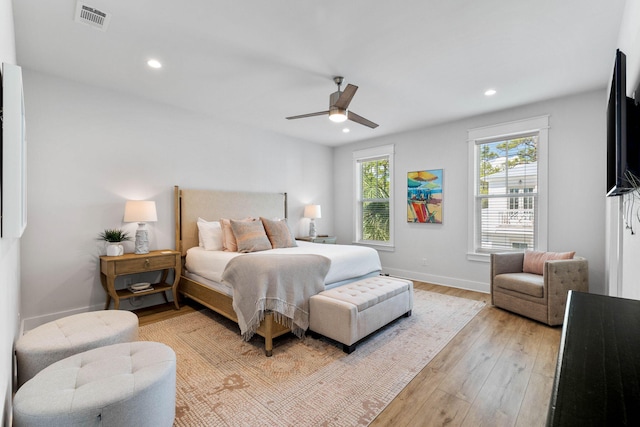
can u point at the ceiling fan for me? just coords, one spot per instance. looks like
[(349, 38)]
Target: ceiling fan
[(338, 103)]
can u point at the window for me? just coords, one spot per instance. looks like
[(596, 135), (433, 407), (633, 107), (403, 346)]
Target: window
[(527, 202), (373, 170), (513, 201), (507, 187)]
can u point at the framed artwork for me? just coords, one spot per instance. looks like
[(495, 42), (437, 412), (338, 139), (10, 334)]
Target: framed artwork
[(424, 196)]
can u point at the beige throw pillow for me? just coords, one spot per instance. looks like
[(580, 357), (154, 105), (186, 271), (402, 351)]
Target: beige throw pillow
[(278, 233), (534, 260), (250, 236), (229, 243)]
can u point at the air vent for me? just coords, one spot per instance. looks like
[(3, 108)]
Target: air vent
[(91, 16)]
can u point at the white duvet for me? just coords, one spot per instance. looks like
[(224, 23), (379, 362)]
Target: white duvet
[(347, 261)]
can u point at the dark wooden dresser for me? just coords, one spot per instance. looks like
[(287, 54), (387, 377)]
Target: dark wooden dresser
[(597, 380)]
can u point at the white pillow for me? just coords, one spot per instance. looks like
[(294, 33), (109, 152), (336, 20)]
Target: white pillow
[(210, 235)]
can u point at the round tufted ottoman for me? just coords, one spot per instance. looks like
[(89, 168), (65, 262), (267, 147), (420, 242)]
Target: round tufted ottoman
[(120, 385), (53, 341)]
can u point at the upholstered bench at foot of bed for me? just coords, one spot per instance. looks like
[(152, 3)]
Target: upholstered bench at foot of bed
[(349, 313), (121, 385)]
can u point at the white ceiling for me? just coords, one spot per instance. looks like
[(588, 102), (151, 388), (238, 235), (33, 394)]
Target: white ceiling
[(254, 62)]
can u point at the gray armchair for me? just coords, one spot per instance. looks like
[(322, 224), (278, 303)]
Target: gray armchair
[(542, 298)]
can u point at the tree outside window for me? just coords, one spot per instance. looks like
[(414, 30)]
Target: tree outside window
[(373, 196), (507, 170), (375, 199), (508, 197)]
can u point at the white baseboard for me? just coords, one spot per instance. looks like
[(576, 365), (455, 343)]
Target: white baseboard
[(438, 280), (33, 322)]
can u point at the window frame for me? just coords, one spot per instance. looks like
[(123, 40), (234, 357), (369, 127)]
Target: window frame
[(476, 137), (369, 154)]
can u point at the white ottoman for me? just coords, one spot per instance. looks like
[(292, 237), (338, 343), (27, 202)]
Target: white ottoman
[(53, 341), (349, 313), (128, 384)]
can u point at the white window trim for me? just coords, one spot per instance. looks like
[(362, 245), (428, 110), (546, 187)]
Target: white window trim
[(539, 125), (365, 154)]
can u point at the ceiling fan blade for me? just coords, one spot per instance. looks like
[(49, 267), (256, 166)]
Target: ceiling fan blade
[(346, 96), (359, 119), (302, 116)]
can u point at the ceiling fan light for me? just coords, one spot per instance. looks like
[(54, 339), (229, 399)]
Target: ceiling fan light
[(154, 63), (337, 115)]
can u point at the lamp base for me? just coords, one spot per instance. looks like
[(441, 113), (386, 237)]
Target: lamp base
[(142, 239), (312, 229)]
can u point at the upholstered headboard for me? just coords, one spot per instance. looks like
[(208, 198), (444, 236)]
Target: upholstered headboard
[(214, 204)]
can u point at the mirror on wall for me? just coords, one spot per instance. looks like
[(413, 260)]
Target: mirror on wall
[(14, 154)]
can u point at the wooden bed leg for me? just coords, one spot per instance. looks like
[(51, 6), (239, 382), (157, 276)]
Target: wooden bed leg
[(268, 334)]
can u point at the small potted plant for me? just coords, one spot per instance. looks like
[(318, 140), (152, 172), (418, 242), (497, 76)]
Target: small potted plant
[(114, 238)]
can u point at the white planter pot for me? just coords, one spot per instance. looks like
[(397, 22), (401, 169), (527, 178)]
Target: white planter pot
[(115, 249)]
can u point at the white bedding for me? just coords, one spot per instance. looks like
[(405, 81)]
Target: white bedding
[(347, 261)]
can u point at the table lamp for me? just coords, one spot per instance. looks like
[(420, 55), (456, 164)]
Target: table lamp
[(141, 211), (313, 212)]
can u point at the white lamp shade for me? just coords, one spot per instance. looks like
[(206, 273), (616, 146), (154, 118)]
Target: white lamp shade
[(140, 211), (312, 211)]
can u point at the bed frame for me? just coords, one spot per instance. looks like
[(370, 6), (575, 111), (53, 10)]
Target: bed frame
[(212, 205)]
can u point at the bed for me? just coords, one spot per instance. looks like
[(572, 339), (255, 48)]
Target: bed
[(202, 269)]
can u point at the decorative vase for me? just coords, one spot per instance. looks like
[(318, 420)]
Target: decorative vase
[(115, 249)]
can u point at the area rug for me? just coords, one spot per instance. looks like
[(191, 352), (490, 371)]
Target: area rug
[(223, 381)]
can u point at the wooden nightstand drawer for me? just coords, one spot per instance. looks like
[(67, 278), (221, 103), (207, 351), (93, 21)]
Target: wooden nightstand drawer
[(150, 263)]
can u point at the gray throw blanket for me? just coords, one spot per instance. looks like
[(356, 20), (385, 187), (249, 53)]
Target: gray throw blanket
[(281, 284)]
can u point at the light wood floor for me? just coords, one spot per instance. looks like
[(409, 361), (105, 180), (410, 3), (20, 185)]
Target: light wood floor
[(498, 371)]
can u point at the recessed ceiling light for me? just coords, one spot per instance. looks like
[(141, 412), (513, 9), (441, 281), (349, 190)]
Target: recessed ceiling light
[(490, 92), (346, 130), (154, 63)]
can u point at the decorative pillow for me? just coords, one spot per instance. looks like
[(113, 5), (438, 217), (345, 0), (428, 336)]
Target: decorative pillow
[(210, 234), (278, 233), (250, 236), (229, 243), (534, 260)]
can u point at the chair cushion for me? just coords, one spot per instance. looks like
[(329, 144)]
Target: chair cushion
[(524, 283), (534, 260)]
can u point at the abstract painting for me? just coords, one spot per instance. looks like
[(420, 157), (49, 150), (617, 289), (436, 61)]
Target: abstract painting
[(424, 196)]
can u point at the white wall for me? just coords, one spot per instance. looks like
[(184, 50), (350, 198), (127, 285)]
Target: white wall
[(9, 254), (577, 147), (91, 149)]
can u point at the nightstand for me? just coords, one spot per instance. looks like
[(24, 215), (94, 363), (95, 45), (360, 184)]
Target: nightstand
[(320, 239), (114, 266)]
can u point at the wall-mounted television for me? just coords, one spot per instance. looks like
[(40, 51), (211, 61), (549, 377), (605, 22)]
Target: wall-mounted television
[(623, 124)]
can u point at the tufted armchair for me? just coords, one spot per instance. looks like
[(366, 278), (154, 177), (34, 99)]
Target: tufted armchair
[(541, 297)]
